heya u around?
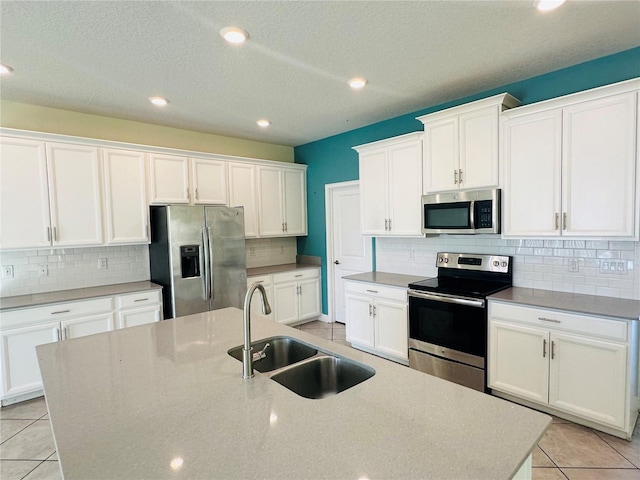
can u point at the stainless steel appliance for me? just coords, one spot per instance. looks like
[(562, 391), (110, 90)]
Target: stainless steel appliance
[(448, 316), (197, 254), (466, 212)]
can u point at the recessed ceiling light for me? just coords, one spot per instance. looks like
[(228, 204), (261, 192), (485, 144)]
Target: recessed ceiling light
[(158, 101), (5, 69), (546, 5), (357, 82), (263, 123), (234, 35)]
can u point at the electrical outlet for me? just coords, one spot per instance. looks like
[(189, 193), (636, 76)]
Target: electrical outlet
[(615, 267), (102, 264), (43, 270), (412, 256), (7, 271), (574, 266), (252, 251)]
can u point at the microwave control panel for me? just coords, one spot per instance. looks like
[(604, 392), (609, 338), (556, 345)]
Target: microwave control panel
[(483, 214)]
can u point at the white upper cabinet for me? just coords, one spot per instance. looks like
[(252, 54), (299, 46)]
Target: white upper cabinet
[(168, 179), (182, 180), (391, 185), (570, 165), (126, 211), (242, 193), (209, 181), (461, 145), (75, 196), (24, 194), (282, 201), (51, 195)]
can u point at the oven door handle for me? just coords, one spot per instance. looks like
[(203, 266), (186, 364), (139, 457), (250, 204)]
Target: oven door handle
[(470, 302)]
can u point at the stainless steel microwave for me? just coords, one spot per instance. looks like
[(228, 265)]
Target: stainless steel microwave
[(463, 212)]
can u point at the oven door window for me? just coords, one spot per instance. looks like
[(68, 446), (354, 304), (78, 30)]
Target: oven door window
[(459, 327), (447, 215)]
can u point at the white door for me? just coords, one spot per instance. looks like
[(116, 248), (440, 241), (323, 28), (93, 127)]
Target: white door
[(24, 194), (348, 252), (242, 193), (588, 378), (209, 180), (391, 323), (360, 328), (374, 195), (75, 194), (270, 202), (285, 299), (309, 298), (519, 361), (441, 155), (405, 191), (479, 148), (125, 196), (295, 202), (168, 179)]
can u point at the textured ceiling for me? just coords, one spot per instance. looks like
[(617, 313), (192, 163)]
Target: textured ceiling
[(108, 57)]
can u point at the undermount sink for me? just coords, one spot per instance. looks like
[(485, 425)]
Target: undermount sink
[(323, 376), (281, 352)]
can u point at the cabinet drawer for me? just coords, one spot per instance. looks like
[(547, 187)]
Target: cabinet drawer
[(265, 280), (56, 311), (296, 275), (139, 299), (556, 320), (376, 290)]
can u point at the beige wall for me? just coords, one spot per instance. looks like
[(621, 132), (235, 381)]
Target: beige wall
[(25, 116)]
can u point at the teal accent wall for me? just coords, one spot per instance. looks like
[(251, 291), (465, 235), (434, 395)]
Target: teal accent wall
[(332, 159)]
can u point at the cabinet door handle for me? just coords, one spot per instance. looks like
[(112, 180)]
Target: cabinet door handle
[(60, 311), (549, 320), (564, 221), (389, 224), (370, 310), (57, 336), (55, 234), (283, 226), (286, 227), (553, 350), (455, 177), (460, 176), (557, 220), (374, 310), (188, 196), (372, 291), (48, 234), (544, 348), (141, 300), (298, 276), (196, 193), (64, 333)]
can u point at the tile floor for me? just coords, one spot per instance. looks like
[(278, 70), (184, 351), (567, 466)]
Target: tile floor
[(567, 451)]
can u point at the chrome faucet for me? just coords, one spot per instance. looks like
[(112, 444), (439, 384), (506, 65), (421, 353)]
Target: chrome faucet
[(247, 355)]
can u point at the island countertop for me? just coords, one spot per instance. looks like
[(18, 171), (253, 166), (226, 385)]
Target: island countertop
[(165, 400)]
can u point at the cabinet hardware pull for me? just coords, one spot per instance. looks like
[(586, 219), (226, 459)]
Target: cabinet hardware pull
[(553, 350), (455, 177), (57, 339), (549, 320), (370, 309), (141, 300), (564, 221), (389, 224), (283, 226), (64, 333), (188, 196), (60, 311), (286, 227), (48, 234), (297, 276), (372, 291), (544, 348), (460, 176), (374, 310), (55, 234), (557, 218), (196, 194), (386, 224)]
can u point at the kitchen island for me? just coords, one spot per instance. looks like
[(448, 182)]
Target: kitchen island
[(165, 400)]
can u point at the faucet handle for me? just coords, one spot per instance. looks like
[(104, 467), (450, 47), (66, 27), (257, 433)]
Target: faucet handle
[(261, 354)]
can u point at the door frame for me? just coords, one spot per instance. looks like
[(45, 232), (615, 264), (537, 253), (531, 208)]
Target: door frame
[(329, 188)]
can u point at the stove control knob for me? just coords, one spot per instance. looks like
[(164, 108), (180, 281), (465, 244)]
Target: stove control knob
[(440, 259), (496, 263), (446, 260), (503, 264)]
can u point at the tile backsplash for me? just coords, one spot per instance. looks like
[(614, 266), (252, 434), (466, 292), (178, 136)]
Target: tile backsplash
[(70, 268), (262, 252), (543, 264)]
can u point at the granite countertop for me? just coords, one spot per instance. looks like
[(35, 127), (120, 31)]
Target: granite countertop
[(165, 400), (60, 296), (255, 271), (383, 278), (622, 308)]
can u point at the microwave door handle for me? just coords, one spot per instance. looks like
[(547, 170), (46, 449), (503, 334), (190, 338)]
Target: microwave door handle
[(472, 215)]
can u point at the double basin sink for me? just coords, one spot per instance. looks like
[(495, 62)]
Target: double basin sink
[(303, 368)]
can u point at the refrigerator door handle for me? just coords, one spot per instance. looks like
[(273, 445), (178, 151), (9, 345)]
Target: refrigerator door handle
[(206, 263), (212, 295)]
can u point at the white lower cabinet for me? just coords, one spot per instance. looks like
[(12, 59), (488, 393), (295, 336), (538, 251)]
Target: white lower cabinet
[(296, 295), (22, 330), (569, 364), (377, 319)]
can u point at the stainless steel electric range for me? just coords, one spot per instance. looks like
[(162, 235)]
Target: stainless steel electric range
[(448, 316)]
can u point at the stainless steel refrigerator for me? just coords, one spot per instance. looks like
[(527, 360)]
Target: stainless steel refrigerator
[(197, 254)]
